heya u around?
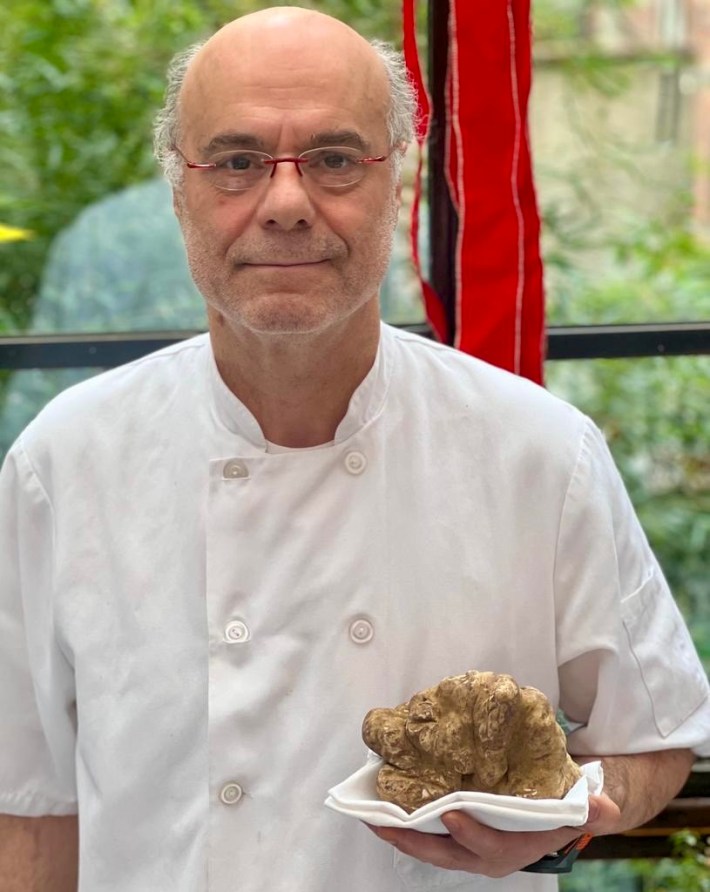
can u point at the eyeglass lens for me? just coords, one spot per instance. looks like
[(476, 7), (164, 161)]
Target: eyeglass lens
[(330, 167)]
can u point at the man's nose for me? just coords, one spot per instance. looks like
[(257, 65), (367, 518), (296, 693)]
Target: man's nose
[(286, 202)]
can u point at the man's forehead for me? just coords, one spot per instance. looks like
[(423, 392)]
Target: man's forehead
[(262, 105), (302, 38), (278, 78), (287, 69)]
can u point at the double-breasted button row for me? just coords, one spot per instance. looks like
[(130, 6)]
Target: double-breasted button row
[(235, 469), (361, 631)]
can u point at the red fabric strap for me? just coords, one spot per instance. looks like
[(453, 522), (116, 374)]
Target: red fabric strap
[(499, 312), (499, 277)]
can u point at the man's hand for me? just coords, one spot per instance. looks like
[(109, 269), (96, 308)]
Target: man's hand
[(475, 848), (641, 785)]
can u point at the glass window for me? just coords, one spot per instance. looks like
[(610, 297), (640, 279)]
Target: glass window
[(620, 120), (654, 415)]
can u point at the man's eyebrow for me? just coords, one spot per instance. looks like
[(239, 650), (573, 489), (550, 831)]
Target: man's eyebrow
[(233, 141), (350, 138)]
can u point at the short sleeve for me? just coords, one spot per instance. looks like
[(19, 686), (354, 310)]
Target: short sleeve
[(37, 701), (629, 673)]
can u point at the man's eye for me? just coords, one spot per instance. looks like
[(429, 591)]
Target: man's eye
[(333, 161), (237, 163)]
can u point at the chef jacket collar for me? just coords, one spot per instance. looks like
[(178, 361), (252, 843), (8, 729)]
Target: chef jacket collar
[(365, 403)]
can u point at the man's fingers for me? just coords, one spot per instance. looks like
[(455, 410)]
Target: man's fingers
[(469, 833), (502, 846), (476, 848), (442, 851)]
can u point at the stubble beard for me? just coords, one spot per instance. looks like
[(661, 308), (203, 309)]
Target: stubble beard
[(236, 296)]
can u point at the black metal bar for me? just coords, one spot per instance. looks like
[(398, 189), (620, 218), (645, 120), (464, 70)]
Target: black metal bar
[(443, 221), (625, 341), (573, 342), (83, 351), (620, 847)]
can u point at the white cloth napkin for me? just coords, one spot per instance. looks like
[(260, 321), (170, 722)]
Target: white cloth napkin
[(356, 797)]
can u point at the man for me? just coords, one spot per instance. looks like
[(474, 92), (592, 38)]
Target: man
[(218, 558)]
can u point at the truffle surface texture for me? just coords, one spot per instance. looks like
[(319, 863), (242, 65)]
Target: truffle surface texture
[(480, 732)]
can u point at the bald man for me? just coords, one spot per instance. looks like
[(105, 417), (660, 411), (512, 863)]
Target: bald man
[(215, 560)]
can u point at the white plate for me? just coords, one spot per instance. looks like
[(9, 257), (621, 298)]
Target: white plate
[(357, 797)]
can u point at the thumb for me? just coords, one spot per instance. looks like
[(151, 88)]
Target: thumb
[(603, 815), (594, 811)]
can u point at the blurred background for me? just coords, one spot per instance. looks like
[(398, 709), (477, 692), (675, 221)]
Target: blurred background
[(620, 127)]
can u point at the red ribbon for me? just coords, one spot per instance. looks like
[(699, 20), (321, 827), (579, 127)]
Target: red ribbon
[(499, 280), (499, 307)]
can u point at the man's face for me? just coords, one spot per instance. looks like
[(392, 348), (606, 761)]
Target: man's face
[(287, 255)]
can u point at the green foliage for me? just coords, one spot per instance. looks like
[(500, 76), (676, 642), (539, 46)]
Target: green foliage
[(594, 876), (654, 415), (80, 82), (562, 20), (651, 271), (621, 247), (687, 871)]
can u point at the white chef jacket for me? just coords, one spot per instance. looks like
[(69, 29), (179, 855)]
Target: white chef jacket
[(193, 628)]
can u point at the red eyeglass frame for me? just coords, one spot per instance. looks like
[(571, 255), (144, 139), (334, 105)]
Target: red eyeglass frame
[(269, 159)]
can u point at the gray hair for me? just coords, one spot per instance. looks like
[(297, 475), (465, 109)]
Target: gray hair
[(166, 127), (401, 116), (402, 113)]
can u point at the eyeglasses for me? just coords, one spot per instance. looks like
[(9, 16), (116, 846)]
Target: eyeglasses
[(331, 167)]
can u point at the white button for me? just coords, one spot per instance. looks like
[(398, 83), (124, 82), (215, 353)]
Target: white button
[(234, 469), (355, 462), (237, 632), (361, 631), (230, 794)]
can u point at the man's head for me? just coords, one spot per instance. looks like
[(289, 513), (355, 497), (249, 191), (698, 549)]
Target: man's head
[(287, 254)]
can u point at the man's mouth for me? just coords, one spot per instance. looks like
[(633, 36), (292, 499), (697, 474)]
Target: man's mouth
[(275, 264)]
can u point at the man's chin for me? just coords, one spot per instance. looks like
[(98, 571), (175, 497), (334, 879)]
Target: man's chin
[(286, 312), (285, 327), (288, 317)]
